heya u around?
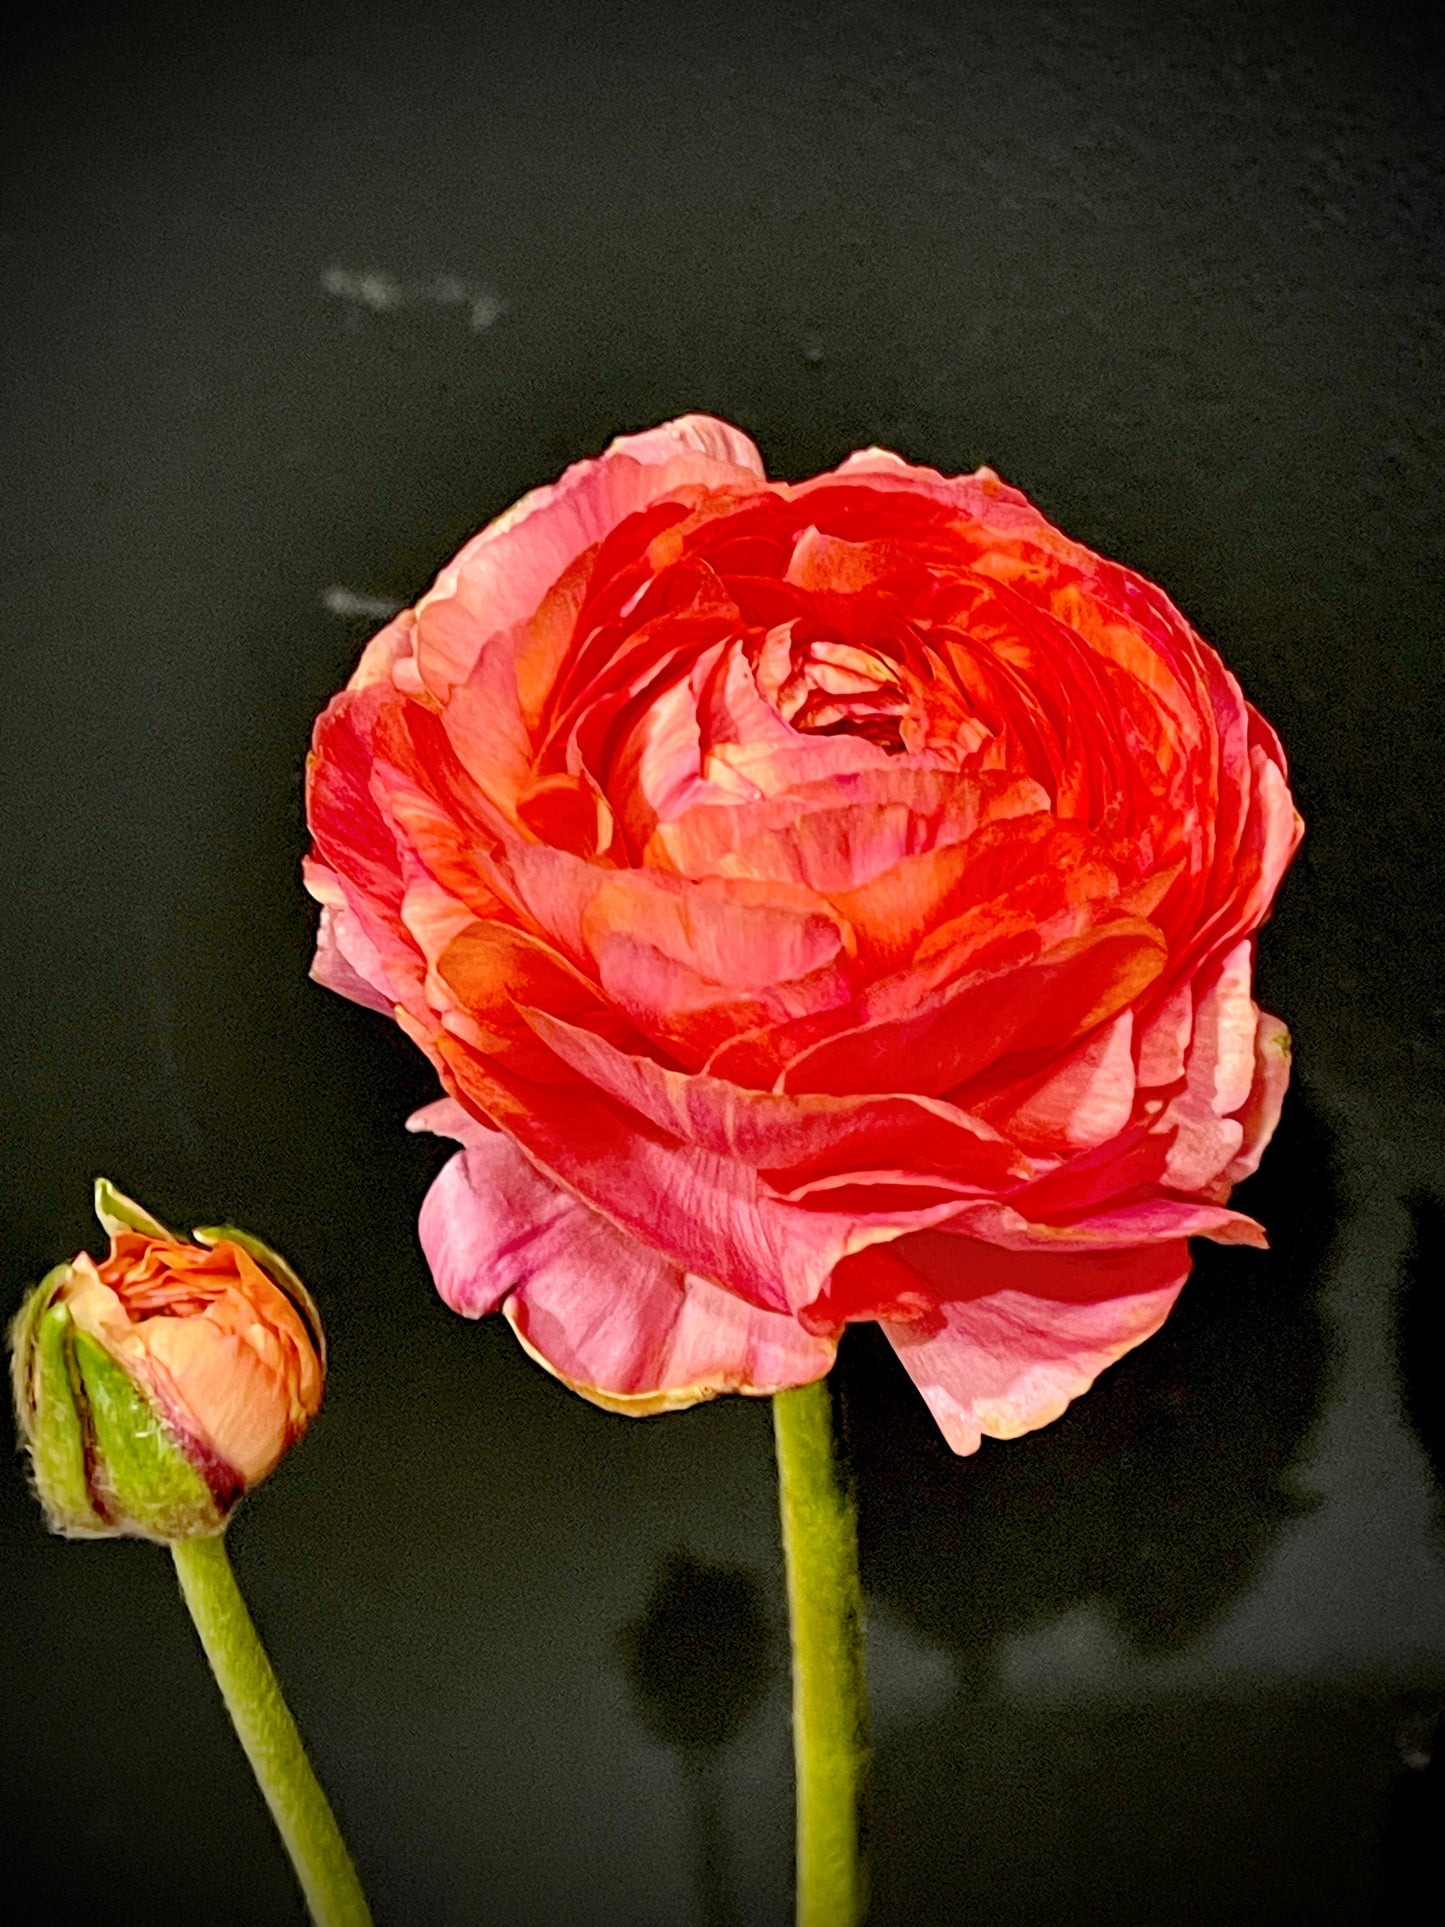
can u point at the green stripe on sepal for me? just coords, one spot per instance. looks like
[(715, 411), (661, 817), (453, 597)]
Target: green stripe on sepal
[(143, 1475), (119, 1213), (22, 1335), (48, 1399)]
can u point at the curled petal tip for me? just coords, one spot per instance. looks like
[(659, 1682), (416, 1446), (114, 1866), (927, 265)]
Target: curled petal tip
[(118, 1213)]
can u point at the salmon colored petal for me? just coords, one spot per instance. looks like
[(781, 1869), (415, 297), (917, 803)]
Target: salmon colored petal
[(492, 972), (1082, 1102), (790, 1137), (842, 833), (1018, 1226), (953, 1034), (486, 715), (347, 960), (693, 966), (1241, 894), (733, 932), (750, 749), (389, 648), (352, 835), (1261, 1110), (611, 1317), (713, 1216), (940, 902), (640, 1352), (234, 1381), (504, 572), (658, 771), (1207, 1134), (1164, 1038), (1012, 1359), (687, 1016)]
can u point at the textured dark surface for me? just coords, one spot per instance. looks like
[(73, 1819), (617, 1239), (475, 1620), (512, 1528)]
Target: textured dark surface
[(297, 298)]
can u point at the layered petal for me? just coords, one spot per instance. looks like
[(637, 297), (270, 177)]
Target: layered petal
[(611, 1317), (502, 575), (712, 1214), (791, 1138), (1034, 1333)]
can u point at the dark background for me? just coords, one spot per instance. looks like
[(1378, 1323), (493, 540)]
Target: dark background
[(298, 297)]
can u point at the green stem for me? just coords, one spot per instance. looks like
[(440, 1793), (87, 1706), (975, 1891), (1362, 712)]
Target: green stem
[(268, 1733), (830, 1700)]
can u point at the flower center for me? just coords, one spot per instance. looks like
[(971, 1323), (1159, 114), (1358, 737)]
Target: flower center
[(823, 686)]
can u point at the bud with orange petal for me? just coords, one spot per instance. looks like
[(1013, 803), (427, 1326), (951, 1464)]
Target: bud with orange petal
[(156, 1387)]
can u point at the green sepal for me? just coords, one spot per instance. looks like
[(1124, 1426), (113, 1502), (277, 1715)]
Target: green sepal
[(119, 1213), (146, 1479), (22, 1330), (47, 1402), (276, 1269)]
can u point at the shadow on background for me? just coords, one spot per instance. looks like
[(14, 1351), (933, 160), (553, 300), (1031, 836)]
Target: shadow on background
[(1420, 1332), (699, 1661), (1158, 1493), (1155, 1499), (1410, 1852)]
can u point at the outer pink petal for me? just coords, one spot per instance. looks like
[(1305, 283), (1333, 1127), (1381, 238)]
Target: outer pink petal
[(951, 1033), (705, 435), (503, 573), (792, 1138), (1011, 1361), (1219, 1077), (660, 1342), (468, 1236), (357, 953), (1086, 1100), (709, 1215), (346, 959), (1153, 1221), (1261, 1112), (609, 1316)]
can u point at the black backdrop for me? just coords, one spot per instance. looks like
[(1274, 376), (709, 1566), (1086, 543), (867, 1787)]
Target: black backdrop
[(297, 297)]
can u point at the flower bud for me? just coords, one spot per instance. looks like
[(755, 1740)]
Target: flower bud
[(155, 1388)]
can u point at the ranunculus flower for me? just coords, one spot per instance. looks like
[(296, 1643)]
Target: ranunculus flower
[(821, 901), (156, 1387)]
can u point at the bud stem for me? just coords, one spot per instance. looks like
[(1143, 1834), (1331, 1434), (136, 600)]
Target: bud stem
[(830, 1700), (269, 1735)]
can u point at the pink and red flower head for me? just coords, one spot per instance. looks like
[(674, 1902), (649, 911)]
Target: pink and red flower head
[(821, 901)]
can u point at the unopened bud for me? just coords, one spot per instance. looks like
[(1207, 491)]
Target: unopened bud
[(155, 1388)]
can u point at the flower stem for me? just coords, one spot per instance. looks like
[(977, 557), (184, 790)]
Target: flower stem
[(268, 1733), (830, 1700)]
